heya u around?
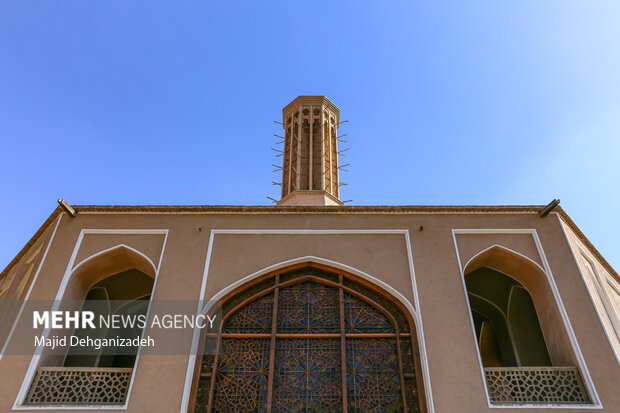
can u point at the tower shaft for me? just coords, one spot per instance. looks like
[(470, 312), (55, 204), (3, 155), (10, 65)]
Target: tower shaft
[(310, 161)]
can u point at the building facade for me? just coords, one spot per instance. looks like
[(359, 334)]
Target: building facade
[(324, 307)]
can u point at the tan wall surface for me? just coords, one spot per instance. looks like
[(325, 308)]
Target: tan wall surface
[(455, 374), (381, 256), (607, 361), (472, 244), (150, 245), (16, 284)]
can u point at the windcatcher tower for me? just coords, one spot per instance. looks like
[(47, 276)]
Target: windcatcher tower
[(310, 161)]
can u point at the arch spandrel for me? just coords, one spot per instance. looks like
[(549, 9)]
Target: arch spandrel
[(104, 264), (470, 244), (263, 276), (507, 261), (149, 244)]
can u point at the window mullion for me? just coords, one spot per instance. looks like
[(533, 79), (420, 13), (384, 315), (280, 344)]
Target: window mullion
[(214, 371), (272, 346), (400, 369), (343, 362)]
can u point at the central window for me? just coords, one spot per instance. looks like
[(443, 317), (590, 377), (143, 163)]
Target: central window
[(310, 341)]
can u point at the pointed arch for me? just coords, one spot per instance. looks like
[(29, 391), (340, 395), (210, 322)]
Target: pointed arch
[(502, 259), (313, 260), (263, 292), (120, 273), (103, 264), (131, 254)]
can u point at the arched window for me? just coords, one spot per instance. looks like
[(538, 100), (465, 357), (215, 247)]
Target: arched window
[(524, 348), (310, 340), (115, 281), (505, 319)]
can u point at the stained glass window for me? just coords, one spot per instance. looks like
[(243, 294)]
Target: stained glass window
[(310, 341)]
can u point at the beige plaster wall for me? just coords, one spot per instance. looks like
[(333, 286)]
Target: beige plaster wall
[(384, 256), (148, 244), (602, 288), (472, 244), (457, 384), (16, 284)]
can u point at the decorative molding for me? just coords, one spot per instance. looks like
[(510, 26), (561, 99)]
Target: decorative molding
[(519, 386), (69, 271), (415, 311), (34, 279), (589, 384), (308, 100), (582, 252), (61, 386)]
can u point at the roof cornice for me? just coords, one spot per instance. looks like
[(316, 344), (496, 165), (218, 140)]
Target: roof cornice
[(259, 209), (310, 100), (336, 209)]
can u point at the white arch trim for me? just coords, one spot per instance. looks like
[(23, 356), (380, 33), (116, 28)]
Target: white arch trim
[(284, 264), (34, 279), (583, 368), (316, 260), (506, 249)]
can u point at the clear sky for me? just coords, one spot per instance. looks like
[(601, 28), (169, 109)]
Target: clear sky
[(122, 102)]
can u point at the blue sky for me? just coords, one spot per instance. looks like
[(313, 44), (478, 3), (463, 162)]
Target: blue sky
[(120, 102)]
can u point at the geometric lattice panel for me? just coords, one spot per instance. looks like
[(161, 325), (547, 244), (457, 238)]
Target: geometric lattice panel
[(535, 385), (361, 317), (79, 385), (241, 384), (307, 376), (308, 308), (373, 383), (253, 318)]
